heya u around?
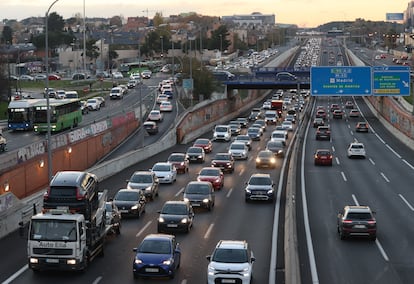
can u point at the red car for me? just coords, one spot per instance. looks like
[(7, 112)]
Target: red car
[(321, 114), (54, 77), (213, 175), (323, 157), (180, 161), (204, 143)]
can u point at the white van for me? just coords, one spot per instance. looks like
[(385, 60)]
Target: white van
[(72, 95), (222, 133)]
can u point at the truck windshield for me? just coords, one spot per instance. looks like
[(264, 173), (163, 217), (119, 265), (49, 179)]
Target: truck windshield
[(53, 230)]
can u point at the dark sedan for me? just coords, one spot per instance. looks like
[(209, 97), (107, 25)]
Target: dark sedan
[(130, 202), (224, 161), (175, 216), (200, 194), (158, 255)]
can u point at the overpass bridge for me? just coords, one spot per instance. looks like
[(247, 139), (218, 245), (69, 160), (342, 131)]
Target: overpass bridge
[(265, 78)]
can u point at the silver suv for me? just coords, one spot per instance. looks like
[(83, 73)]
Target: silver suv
[(146, 181), (231, 262), (260, 187)]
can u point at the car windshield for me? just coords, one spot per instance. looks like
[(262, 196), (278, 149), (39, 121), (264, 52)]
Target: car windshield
[(221, 129), (127, 196), (260, 181), (243, 138), (357, 146), (221, 157), (201, 141), (237, 146), (176, 158), (174, 209), (197, 189), (209, 172), (230, 255), (195, 150), (141, 179), (155, 247), (161, 167)]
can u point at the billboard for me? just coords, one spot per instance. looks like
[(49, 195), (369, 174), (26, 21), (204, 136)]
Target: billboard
[(392, 17)]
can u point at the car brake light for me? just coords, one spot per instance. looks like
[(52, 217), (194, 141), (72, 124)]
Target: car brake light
[(347, 221), (371, 222), (79, 196)]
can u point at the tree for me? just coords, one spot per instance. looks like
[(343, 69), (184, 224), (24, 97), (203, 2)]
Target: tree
[(7, 35), (55, 23), (115, 21), (219, 39), (158, 20), (91, 49)]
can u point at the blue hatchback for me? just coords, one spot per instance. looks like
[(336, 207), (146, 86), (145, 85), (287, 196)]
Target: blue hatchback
[(158, 255)]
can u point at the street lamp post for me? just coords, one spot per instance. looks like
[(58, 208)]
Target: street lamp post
[(49, 134), (162, 46), (141, 122), (221, 43)]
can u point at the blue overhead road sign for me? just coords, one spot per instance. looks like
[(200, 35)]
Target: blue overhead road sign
[(391, 80), (340, 80)]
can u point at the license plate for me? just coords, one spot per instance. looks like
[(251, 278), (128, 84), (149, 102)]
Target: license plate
[(195, 204), (52, 260), (359, 226), (151, 269), (228, 281), (172, 225), (123, 211)]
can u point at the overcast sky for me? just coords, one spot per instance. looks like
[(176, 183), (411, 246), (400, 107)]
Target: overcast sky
[(304, 13)]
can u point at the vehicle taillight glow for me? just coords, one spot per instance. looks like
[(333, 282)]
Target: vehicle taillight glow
[(347, 221), (372, 222), (79, 196)]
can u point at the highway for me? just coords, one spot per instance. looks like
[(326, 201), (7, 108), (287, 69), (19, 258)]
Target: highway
[(382, 181), (231, 218)]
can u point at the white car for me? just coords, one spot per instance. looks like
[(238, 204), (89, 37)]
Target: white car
[(356, 149), (279, 135), (155, 115), (239, 150), (161, 98), (101, 100), (166, 106), (231, 262), (117, 75), (222, 133), (116, 93), (288, 125), (165, 172), (93, 104)]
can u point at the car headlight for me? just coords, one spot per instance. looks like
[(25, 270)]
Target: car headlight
[(148, 188), (135, 207), (247, 190), (211, 270), (186, 199), (184, 220), (246, 272), (205, 200), (167, 262), (161, 220), (273, 160), (257, 160), (138, 261)]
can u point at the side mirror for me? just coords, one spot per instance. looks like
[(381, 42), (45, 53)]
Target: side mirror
[(252, 259), (208, 257), (134, 249)]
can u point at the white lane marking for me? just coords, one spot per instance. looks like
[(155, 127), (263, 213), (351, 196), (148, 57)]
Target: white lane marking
[(143, 229), (97, 280), (408, 164), (372, 161), (406, 202), (208, 232), (355, 200), (241, 172), (184, 281), (229, 193), (382, 251), (337, 160), (16, 274), (383, 175), (379, 138), (343, 176), (352, 133), (333, 148), (392, 150), (179, 192)]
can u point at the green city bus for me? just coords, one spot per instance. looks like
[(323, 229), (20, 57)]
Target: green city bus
[(64, 113)]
